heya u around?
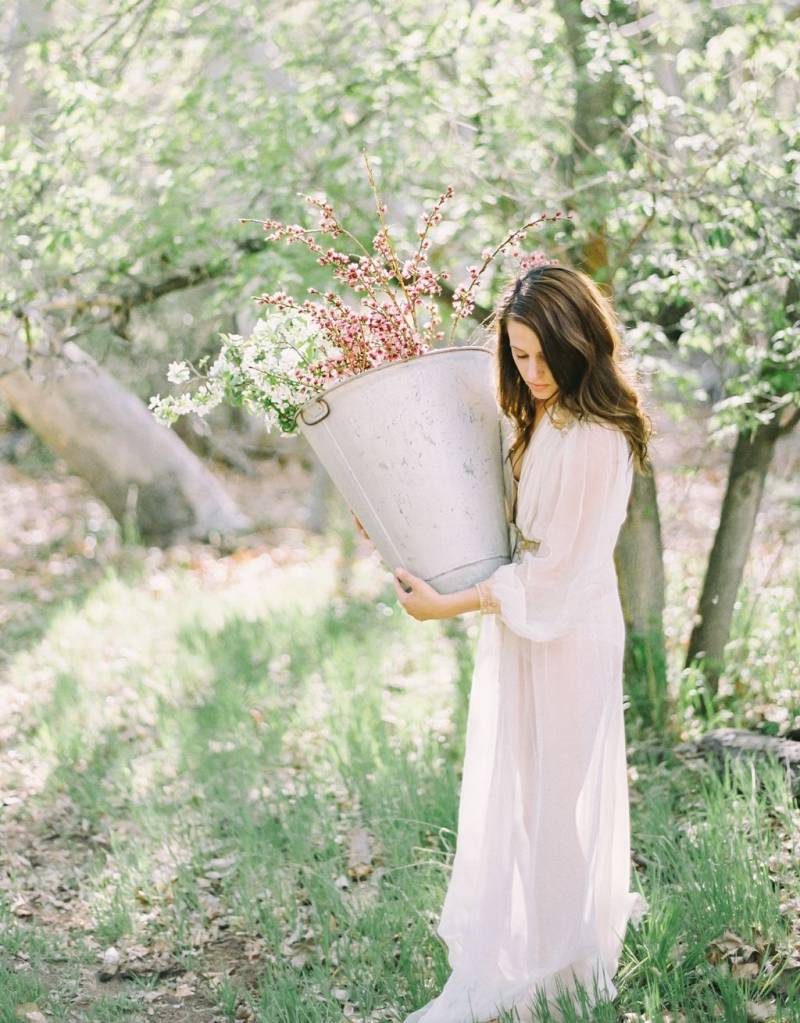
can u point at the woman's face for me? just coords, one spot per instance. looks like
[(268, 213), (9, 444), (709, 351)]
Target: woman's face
[(529, 359)]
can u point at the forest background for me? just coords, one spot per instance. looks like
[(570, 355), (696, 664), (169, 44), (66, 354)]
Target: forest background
[(230, 764)]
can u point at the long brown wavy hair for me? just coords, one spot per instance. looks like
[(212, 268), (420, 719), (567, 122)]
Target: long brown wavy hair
[(577, 329)]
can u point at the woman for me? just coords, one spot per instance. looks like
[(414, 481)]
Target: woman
[(538, 901)]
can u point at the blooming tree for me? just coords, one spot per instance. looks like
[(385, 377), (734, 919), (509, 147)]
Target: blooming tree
[(301, 348)]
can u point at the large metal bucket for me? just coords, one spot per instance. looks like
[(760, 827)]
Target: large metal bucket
[(414, 447)]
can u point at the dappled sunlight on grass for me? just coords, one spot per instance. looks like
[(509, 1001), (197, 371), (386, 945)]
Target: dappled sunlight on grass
[(112, 662), (260, 767), (220, 748), (723, 907)]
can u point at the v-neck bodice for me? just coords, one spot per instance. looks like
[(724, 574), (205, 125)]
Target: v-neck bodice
[(531, 501), (540, 426)]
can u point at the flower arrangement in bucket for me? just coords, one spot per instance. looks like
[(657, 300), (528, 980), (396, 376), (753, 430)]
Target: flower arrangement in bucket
[(407, 429)]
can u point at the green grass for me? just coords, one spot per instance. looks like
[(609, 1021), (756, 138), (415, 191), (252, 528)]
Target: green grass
[(26, 956), (211, 745)]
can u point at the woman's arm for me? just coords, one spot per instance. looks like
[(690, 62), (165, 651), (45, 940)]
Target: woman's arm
[(556, 588), (424, 603)]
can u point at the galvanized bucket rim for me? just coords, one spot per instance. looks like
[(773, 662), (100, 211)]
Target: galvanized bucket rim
[(376, 369)]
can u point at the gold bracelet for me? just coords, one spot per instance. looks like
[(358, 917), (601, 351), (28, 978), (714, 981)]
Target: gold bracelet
[(489, 604)]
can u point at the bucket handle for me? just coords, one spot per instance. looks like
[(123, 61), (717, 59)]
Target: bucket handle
[(319, 420)]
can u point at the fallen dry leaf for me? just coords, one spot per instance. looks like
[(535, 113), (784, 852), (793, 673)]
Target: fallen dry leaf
[(30, 1013), (110, 964), (299, 946), (359, 855), (760, 1012), (731, 952)]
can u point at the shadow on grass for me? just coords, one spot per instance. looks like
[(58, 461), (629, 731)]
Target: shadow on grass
[(20, 634), (303, 814)]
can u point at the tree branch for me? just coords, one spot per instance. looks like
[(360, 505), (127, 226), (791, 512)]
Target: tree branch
[(790, 423), (113, 310)]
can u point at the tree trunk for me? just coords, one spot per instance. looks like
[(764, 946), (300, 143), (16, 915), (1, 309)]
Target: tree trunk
[(152, 483), (640, 568), (739, 743), (142, 470), (639, 554), (751, 461), (319, 495)]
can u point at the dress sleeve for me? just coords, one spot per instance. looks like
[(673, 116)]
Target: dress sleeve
[(551, 590)]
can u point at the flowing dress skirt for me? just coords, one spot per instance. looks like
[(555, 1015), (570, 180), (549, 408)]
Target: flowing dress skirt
[(539, 900)]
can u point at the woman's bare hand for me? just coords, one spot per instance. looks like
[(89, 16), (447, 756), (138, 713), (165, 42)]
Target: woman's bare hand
[(421, 601)]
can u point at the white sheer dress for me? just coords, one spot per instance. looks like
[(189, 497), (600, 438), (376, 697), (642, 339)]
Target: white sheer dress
[(539, 896)]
